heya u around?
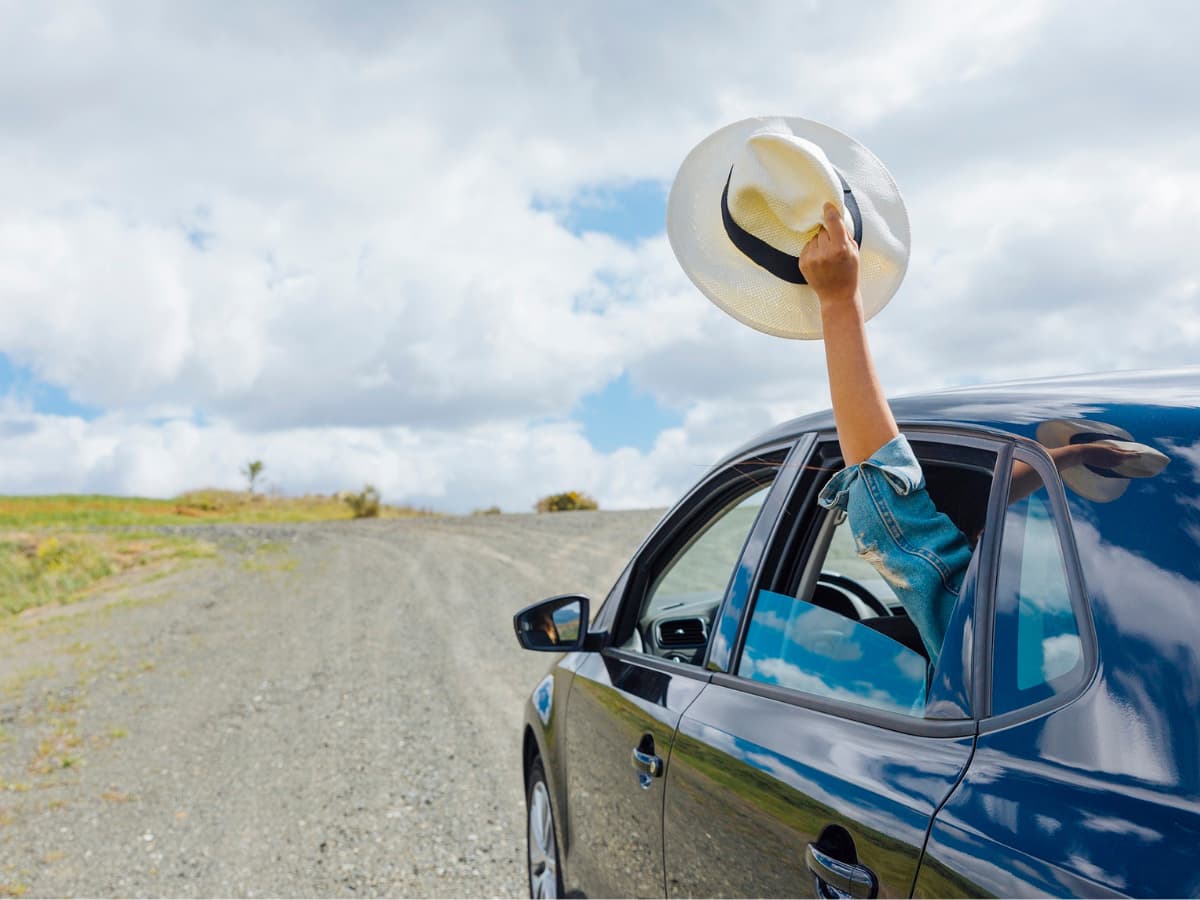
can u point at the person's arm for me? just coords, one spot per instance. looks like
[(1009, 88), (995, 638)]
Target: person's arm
[(864, 420)]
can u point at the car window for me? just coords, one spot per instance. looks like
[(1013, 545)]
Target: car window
[(829, 624), (796, 644), (702, 570), (1037, 646), (686, 587)]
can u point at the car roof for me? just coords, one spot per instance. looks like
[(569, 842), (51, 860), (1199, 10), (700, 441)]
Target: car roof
[(1019, 406)]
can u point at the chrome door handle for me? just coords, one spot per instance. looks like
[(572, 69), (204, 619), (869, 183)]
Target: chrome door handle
[(648, 766), (850, 878)]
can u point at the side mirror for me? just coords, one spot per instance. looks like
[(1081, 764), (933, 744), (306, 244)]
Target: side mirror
[(558, 624)]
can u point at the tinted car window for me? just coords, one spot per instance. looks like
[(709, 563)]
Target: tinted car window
[(702, 570), (1038, 649), (795, 644), (685, 588)]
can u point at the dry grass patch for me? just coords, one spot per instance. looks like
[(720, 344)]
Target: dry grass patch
[(37, 569)]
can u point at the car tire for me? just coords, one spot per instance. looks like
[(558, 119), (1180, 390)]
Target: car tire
[(545, 879)]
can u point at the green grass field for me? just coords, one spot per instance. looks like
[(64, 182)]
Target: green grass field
[(57, 549), (92, 510)]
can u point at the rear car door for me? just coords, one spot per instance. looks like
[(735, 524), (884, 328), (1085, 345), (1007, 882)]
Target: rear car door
[(626, 700), (813, 762), (1085, 779)]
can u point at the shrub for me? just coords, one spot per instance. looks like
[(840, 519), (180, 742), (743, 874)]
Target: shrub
[(488, 511), (252, 470), (365, 503), (566, 501)]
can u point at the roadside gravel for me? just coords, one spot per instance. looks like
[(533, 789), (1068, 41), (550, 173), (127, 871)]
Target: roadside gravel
[(322, 710)]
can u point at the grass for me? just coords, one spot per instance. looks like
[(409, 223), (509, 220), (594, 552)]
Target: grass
[(55, 549), (43, 566), (95, 510)]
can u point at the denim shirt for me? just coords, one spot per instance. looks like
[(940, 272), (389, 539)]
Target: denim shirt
[(917, 550)]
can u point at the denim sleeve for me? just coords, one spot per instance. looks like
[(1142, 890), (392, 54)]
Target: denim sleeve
[(917, 550)]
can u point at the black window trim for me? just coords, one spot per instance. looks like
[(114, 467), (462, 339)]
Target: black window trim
[(650, 661), (990, 440), (1035, 454), (762, 537), (938, 728)]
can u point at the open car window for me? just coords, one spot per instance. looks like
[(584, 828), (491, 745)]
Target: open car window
[(829, 624)]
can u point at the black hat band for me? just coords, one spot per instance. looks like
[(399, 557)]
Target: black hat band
[(781, 265)]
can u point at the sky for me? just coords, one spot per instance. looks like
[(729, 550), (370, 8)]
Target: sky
[(423, 245)]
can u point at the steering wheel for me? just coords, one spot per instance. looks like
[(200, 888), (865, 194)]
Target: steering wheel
[(850, 586)]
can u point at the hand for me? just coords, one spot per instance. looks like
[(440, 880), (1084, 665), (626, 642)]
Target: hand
[(829, 262)]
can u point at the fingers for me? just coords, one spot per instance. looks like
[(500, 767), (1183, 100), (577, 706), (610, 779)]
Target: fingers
[(834, 224), (829, 252)]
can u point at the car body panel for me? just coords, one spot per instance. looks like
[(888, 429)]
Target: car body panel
[(753, 780), (1019, 826), (617, 705)]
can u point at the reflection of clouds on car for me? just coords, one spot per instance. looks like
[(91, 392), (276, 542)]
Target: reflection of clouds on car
[(1189, 453), (786, 674), (827, 654), (910, 664), (811, 629), (1059, 655)]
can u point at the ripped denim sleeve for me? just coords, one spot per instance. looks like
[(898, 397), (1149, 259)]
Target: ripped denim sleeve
[(917, 550)]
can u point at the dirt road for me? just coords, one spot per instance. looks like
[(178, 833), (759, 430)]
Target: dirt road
[(326, 709)]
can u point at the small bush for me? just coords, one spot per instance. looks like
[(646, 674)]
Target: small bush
[(488, 511), (365, 503), (565, 502), (252, 470)]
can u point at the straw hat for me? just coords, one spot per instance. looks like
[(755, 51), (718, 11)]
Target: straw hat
[(750, 196), (1101, 485)]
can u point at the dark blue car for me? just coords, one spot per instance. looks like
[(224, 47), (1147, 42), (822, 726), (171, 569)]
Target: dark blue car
[(750, 712)]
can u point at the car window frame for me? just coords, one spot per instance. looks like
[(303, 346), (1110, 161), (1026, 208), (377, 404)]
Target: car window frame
[(1035, 455), (802, 502), (677, 528)]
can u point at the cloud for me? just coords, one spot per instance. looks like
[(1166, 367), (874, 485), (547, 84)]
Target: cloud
[(330, 233)]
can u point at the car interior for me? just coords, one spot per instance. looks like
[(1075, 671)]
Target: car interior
[(844, 583)]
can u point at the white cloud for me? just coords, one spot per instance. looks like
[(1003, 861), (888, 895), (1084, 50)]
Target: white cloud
[(316, 226)]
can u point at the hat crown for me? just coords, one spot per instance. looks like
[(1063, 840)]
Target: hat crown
[(778, 188)]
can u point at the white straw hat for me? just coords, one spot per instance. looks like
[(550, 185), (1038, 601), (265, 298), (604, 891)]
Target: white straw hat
[(750, 196), (1101, 485)]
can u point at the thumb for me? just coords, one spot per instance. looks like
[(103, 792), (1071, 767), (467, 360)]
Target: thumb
[(833, 222)]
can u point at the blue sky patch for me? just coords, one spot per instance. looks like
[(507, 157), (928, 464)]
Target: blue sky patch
[(628, 212), (622, 416), (46, 398)]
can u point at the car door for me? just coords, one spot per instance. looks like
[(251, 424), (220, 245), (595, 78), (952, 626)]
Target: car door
[(813, 762), (626, 700)]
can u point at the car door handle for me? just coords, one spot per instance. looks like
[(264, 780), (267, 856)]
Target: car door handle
[(647, 765), (849, 878)]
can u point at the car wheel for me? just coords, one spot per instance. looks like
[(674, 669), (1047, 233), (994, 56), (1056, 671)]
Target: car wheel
[(544, 879)]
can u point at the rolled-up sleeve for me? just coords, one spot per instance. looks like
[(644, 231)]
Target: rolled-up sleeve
[(917, 550)]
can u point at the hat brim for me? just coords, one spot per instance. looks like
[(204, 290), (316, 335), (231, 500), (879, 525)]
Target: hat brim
[(739, 286), (1087, 483)]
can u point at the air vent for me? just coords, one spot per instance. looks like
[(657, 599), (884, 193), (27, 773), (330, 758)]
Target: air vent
[(690, 632)]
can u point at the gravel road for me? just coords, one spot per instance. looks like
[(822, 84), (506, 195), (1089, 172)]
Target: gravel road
[(321, 710)]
